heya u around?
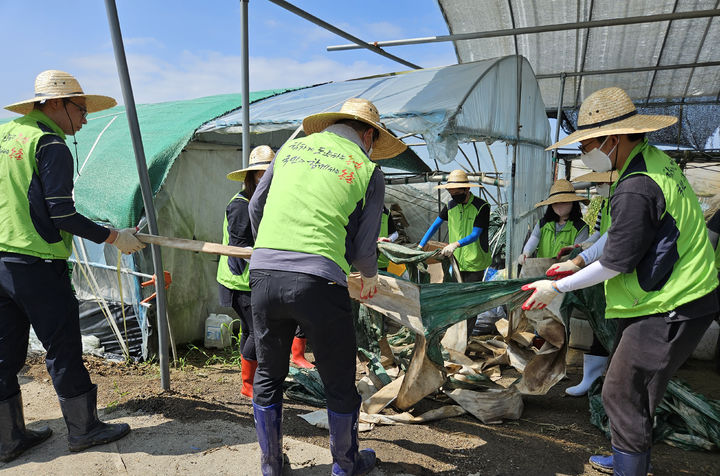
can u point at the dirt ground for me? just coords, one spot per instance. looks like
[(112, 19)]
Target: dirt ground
[(553, 437)]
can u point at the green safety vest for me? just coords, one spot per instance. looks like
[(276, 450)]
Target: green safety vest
[(225, 276), (717, 256), (317, 182), (383, 261), (18, 143), (551, 242), (692, 275), (461, 220), (604, 215)]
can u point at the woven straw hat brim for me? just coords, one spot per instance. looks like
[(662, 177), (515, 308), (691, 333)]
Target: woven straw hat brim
[(632, 125), (563, 197), (386, 147), (239, 175), (458, 185), (93, 102), (598, 177)]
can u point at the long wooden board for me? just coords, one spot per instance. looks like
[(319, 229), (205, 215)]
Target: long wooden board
[(195, 245)]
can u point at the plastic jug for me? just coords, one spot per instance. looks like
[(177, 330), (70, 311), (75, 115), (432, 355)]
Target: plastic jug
[(217, 331)]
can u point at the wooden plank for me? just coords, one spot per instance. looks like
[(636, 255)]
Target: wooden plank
[(195, 245)]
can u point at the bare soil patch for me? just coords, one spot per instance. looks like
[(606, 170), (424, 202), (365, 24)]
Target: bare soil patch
[(553, 437)]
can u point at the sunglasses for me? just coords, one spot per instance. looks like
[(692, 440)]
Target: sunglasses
[(83, 110)]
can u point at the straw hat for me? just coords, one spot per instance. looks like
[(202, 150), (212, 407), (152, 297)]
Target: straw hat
[(54, 84), (387, 145), (598, 177), (458, 179), (260, 158), (562, 191), (610, 111)]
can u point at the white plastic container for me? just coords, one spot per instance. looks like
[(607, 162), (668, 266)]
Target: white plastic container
[(217, 331)]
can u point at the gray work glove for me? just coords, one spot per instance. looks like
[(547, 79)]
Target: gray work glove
[(127, 242)]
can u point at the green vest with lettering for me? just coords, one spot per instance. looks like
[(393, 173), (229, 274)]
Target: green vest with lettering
[(461, 220), (383, 261), (225, 276), (18, 143), (604, 215), (317, 183), (551, 242), (693, 274)]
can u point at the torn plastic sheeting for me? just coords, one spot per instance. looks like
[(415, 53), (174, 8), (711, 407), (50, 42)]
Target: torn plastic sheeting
[(319, 418), (375, 367), (490, 406), (306, 386), (684, 418)]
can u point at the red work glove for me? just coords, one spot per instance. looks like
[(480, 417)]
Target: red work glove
[(566, 251), (560, 270), (545, 292)]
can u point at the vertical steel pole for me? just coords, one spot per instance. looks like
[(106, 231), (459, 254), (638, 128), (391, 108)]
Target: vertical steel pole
[(145, 187), (245, 89), (556, 161), (510, 230)]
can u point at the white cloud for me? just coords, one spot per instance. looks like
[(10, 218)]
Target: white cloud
[(209, 73)]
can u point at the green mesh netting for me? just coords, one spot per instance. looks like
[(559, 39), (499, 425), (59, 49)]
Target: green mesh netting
[(108, 188), (591, 302), (683, 418)]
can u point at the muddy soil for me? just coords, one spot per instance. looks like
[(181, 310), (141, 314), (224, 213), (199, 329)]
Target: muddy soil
[(553, 437)]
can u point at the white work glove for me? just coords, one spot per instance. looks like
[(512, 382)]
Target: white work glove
[(127, 242), (521, 259), (449, 249), (368, 286), (560, 270), (545, 292)]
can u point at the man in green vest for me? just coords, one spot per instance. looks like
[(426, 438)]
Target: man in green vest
[(468, 219), (315, 212), (657, 265), (38, 214)]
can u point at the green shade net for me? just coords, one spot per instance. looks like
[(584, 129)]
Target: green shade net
[(108, 188), (590, 302), (683, 418), (445, 304)]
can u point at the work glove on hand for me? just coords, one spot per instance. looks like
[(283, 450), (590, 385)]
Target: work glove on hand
[(127, 242), (560, 270), (545, 292), (566, 250), (521, 259), (368, 286), (449, 249), (383, 239)]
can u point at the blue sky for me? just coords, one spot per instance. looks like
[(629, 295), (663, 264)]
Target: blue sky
[(186, 49)]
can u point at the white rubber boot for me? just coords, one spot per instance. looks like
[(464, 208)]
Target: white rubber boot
[(593, 367)]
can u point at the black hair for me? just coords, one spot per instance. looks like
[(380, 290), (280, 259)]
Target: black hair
[(636, 137), (250, 184), (550, 215), (360, 127)]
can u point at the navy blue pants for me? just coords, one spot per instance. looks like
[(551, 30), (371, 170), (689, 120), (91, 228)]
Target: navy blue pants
[(648, 352), (241, 305), (38, 292), (280, 301)]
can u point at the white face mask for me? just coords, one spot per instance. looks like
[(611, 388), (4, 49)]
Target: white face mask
[(603, 189), (597, 160)]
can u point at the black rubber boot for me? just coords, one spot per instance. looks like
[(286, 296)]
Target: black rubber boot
[(84, 427), (14, 437)]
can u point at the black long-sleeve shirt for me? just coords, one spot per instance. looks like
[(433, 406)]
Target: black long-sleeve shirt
[(55, 169)]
